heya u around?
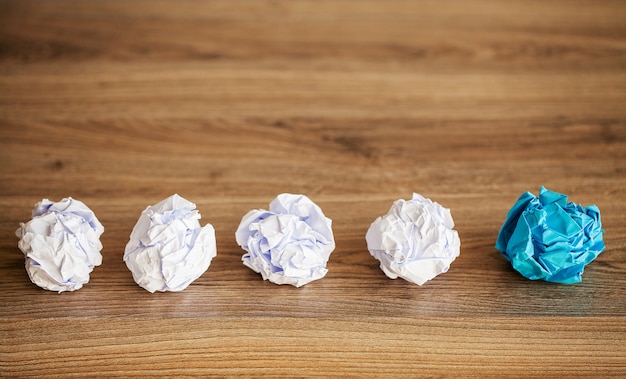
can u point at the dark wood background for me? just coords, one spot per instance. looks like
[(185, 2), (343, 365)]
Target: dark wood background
[(355, 104)]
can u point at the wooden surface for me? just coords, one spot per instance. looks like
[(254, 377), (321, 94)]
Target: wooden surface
[(355, 104)]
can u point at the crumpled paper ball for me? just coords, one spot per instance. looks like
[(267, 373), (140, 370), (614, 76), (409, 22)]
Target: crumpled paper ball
[(288, 244), (414, 240), (548, 238), (168, 249), (61, 244)]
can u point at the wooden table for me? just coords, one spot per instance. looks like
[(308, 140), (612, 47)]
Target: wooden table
[(355, 104)]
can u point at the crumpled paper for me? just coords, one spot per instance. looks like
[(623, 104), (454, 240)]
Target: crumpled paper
[(414, 240), (61, 244), (548, 238), (288, 244), (168, 249)]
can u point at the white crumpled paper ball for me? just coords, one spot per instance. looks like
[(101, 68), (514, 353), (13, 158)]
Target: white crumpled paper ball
[(168, 249), (61, 244), (414, 240), (288, 244)]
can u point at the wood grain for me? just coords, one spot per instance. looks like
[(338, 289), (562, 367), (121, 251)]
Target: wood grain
[(356, 104)]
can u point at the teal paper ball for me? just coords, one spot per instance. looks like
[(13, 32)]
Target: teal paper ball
[(548, 238)]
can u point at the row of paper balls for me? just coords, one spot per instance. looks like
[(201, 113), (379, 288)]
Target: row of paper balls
[(543, 237)]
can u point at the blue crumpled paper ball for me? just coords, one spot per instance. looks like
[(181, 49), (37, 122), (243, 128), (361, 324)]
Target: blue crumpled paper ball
[(548, 238)]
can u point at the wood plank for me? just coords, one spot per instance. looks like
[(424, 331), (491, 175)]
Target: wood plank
[(283, 346)]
